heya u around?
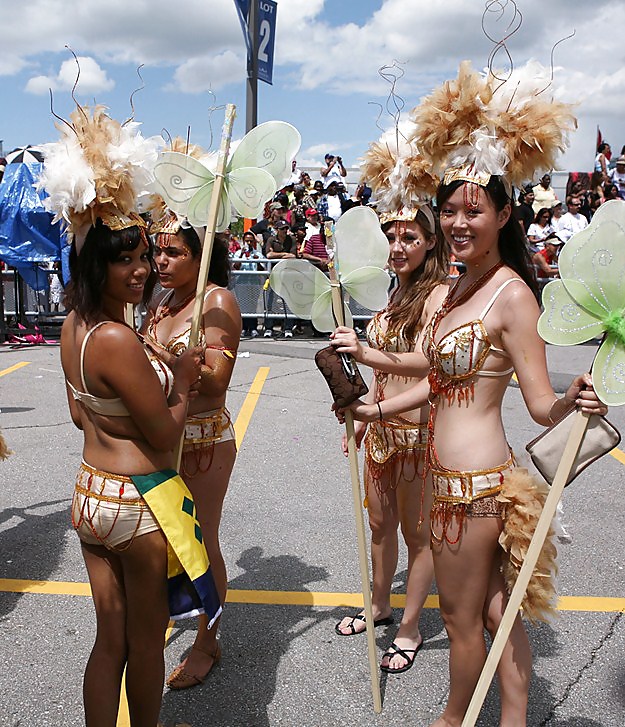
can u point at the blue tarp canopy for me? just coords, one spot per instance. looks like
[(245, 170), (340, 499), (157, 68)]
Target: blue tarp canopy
[(27, 235)]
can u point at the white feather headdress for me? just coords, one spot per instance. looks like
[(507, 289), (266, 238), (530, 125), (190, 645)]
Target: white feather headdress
[(99, 169)]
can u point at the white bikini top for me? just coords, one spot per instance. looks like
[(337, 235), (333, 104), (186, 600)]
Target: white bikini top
[(115, 407), (461, 353)]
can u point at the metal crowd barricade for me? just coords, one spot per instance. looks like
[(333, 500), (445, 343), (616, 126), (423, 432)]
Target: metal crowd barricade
[(20, 303), (257, 300)]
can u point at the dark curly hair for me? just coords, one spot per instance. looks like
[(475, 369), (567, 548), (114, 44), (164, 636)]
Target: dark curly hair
[(88, 270), (219, 269), (513, 247)]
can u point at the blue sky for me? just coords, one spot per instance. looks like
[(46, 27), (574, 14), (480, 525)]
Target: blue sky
[(327, 56)]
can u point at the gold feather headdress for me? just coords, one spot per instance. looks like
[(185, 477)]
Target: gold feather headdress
[(476, 126), (402, 179), (99, 169)]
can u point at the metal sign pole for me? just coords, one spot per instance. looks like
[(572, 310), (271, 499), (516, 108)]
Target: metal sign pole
[(251, 100)]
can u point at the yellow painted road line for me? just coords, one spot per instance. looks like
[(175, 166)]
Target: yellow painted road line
[(245, 414), (17, 366), (55, 588), (317, 599), (617, 454), (123, 714)]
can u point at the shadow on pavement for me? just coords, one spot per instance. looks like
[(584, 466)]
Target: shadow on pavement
[(32, 547), (254, 640)]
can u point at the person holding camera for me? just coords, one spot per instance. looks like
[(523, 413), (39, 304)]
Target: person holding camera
[(334, 171)]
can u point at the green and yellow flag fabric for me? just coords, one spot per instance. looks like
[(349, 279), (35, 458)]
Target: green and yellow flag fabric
[(190, 581)]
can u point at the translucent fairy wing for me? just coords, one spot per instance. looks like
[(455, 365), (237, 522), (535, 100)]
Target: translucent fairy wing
[(592, 263), (608, 371), (359, 240), (248, 188), (271, 146), (369, 286), (199, 206), (321, 314), (563, 322), (178, 178), (300, 283)]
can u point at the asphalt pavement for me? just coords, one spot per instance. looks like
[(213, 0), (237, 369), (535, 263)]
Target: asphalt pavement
[(289, 542)]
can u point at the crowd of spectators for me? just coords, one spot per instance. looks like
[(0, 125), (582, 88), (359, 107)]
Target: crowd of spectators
[(292, 227), (549, 222)]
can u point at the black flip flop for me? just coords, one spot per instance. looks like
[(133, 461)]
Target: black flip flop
[(404, 653), (387, 621)]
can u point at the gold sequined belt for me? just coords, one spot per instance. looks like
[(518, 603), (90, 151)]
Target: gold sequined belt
[(107, 483), (465, 487)]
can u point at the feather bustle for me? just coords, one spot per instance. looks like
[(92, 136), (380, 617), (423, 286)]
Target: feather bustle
[(524, 497)]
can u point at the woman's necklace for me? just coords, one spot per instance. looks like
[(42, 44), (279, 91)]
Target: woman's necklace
[(450, 302), (165, 310)]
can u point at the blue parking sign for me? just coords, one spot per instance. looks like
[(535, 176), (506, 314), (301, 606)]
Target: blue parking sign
[(267, 10), (266, 38)]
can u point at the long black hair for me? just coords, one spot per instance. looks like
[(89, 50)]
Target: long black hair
[(512, 244), (219, 269), (88, 270)]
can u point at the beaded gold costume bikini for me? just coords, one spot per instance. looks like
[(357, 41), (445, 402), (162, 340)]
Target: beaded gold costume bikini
[(394, 449), (456, 360), (205, 429), (107, 508)]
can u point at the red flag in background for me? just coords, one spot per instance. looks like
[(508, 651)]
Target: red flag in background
[(608, 152)]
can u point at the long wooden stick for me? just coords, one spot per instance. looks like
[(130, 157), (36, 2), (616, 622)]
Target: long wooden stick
[(209, 238), (538, 540), (352, 454)]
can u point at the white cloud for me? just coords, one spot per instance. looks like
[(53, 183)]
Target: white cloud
[(91, 79), (209, 73), (200, 46)]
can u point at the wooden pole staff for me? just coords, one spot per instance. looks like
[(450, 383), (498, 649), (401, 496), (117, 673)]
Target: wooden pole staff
[(538, 540), (339, 314), (209, 238)]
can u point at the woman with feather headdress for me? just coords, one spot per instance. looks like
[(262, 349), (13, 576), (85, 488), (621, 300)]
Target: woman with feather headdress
[(130, 407), (398, 491), (484, 138)]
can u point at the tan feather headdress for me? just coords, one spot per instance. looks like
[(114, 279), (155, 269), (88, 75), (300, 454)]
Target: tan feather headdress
[(99, 169), (478, 126), (402, 179)]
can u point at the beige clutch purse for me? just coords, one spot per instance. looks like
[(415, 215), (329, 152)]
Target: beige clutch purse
[(546, 450)]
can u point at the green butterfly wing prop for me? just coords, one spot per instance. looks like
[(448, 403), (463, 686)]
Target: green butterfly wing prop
[(589, 299), (362, 249), (260, 162)]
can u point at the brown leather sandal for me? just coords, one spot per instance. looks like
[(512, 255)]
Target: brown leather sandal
[(181, 679)]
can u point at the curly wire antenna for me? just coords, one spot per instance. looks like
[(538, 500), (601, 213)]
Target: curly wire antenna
[(188, 139), (553, 49), (80, 108), (132, 95), (211, 111), (380, 112), (167, 137), (56, 116), (499, 7), (395, 103)]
